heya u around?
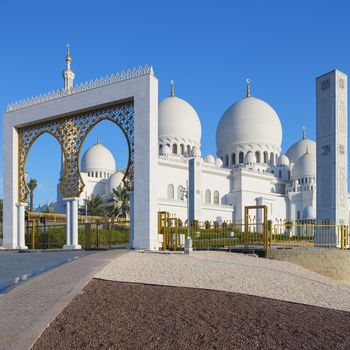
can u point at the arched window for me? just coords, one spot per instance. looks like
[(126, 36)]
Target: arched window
[(272, 159), (216, 198), (265, 157), (276, 159), (188, 150), (241, 157), (96, 174), (288, 175), (170, 191), (182, 148), (226, 160), (207, 199), (257, 156), (180, 193), (174, 148), (280, 174), (233, 158)]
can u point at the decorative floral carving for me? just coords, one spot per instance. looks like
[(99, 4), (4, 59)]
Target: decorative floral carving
[(71, 132)]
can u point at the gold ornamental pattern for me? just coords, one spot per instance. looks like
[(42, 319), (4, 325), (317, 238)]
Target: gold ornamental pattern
[(71, 132)]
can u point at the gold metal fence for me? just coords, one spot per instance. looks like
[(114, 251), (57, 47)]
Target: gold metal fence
[(211, 235), (308, 234), (252, 235), (52, 235)]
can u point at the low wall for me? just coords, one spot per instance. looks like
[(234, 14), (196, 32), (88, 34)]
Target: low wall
[(334, 264)]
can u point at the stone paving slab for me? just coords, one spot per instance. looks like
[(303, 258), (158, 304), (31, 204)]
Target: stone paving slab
[(233, 273), (16, 266), (28, 309)]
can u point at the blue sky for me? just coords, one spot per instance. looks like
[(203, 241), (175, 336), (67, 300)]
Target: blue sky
[(208, 47)]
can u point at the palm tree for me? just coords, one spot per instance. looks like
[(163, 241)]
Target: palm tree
[(1, 209), (118, 204), (49, 210), (32, 184), (94, 205)]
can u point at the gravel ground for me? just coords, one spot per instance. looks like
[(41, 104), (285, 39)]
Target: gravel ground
[(230, 272), (117, 315)]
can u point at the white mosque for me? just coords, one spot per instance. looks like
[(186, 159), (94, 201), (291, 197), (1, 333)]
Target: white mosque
[(249, 167)]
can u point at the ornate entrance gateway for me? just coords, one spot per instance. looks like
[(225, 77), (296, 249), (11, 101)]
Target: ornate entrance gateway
[(130, 100), (71, 133)]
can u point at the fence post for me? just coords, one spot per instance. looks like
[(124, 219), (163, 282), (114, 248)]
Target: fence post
[(343, 237)]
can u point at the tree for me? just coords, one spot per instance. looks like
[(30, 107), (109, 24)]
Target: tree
[(94, 205), (32, 185), (1, 210), (118, 204), (49, 210)]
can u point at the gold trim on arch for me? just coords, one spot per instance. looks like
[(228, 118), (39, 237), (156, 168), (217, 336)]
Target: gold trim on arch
[(71, 133)]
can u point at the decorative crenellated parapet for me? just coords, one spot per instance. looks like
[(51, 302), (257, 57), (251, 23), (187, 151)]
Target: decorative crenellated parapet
[(97, 83)]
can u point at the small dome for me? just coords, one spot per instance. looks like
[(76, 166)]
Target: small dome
[(209, 159), (250, 158), (98, 158), (298, 149), (283, 160), (164, 150), (218, 162), (309, 213), (114, 181), (196, 152), (178, 119), (304, 166), (248, 121)]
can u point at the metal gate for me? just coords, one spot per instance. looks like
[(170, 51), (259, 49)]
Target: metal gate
[(169, 233), (256, 229)]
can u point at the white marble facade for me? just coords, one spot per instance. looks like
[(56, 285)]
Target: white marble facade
[(249, 167)]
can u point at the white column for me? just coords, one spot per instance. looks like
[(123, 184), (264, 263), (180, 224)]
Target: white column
[(21, 225), (72, 223), (131, 201), (68, 220), (146, 166), (75, 225), (10, 184)]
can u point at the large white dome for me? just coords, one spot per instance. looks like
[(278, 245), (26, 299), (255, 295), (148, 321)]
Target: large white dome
[(305, 166), (248, 121), (98, 158), (298, 149), (178, 122)]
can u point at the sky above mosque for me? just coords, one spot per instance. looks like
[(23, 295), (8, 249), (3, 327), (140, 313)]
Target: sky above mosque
[(209, 48)]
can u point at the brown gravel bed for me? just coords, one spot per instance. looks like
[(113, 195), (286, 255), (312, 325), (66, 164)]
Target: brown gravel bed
[(116, 315)]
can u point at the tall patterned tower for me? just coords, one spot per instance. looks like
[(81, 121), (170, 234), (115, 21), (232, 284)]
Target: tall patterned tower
[(332, 147)]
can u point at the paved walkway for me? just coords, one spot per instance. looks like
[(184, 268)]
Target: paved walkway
[(27, 310), (20, 266)]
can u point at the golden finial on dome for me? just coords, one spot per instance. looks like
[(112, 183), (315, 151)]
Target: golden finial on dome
[(68, 58), (248, 87), (172, 93)]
